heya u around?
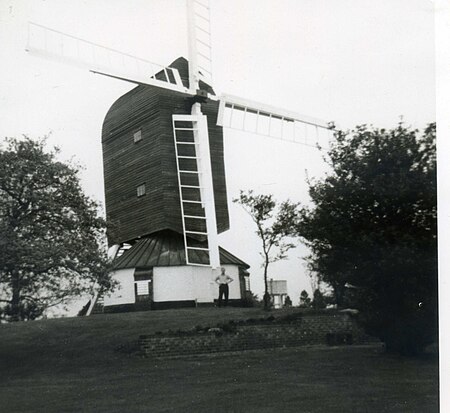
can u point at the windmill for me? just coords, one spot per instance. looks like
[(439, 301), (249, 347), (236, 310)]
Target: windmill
[(165, 187)]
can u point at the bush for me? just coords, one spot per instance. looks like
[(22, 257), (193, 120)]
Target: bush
[(250, 300), (319, 300)]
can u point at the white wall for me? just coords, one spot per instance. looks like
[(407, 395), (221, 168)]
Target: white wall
[(178, 283), (235, 289), (173, 284), (204, 285), (124, 294), (192, 283)]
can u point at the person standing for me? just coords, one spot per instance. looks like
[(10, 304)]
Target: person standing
[(223, 280)]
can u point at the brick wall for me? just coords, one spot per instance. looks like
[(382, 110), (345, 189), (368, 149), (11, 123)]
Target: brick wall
[(309, 329)]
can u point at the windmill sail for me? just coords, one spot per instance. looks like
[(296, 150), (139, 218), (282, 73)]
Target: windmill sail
[(254, 117), (99, 59), (199, 37)]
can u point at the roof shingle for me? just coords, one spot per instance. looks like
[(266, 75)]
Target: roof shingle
[(166, 248)]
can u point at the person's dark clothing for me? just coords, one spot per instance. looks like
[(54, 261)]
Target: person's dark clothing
[(223, 291)]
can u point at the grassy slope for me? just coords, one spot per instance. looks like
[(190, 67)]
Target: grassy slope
[(83, 340), (71, 365)]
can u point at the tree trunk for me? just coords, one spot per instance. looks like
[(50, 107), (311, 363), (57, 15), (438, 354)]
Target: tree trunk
[(15, 300), (338, 294), (266, 297)]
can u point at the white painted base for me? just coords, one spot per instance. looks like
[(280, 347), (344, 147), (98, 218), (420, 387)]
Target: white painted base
[(124, 294), (180, 283)]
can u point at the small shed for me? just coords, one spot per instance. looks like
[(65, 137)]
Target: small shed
[(278, 292)]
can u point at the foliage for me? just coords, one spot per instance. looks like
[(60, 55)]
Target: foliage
[(319, 300), (373, 227), (50, 232), (250, 300), (288, 302), (305, 301), (274, 224)]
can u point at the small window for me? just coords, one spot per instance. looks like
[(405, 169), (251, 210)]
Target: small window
[(137, 136), (247, 283), (142, 287), (141, 190), (143, 284)]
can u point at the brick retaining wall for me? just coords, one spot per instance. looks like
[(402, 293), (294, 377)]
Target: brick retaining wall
[(329, 329)]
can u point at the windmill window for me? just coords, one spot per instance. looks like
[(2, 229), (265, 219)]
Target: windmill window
[(141, 190), (142, 287), (137, 136), (247, 283), (143, 284)]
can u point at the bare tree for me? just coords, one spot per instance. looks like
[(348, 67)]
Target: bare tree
[(274, 224)]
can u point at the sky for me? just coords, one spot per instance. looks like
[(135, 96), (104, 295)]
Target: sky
[(348, 61)]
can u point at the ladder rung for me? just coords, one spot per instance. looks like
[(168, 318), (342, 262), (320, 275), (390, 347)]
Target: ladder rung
[(188, 157), (191, 172), (197, 248), (191, 186), (203, 55), (193, 129), (203, 43), (201, 4), (191, 202), (205, 69), (197, 264), (203, 30), (186, 143), (196, 232), (202, 17), (193, 216)]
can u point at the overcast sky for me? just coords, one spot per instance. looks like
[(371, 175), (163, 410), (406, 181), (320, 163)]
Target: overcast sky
[(348, 61)]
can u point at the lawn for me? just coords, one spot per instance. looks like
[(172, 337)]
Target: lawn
[(74, 365)]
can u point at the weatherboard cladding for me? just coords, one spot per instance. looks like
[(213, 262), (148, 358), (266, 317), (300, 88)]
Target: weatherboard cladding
[(151, 161), (166, 248)]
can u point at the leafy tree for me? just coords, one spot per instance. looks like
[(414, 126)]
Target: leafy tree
[(50, 232), (305, 301), (319, 300), (373, 226), (288, 302), (274, 224)]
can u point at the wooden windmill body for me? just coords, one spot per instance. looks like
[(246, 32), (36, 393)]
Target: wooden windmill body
[(164, 171), (143, 201), (138, 149)]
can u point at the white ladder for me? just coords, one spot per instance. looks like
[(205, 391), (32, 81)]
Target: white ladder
[(196, 188)]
